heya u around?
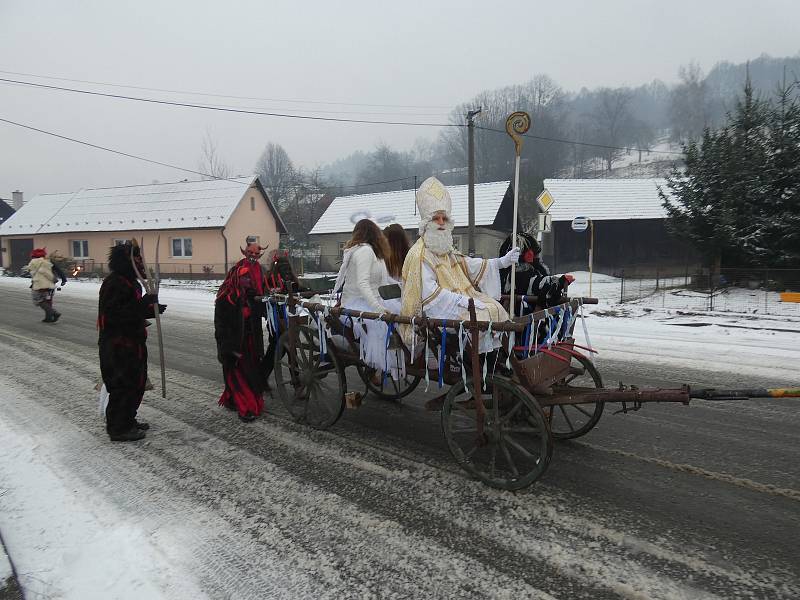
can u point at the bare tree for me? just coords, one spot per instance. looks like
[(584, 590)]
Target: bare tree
[(688, 109), (277, 173), (612, 118), (210, 161)]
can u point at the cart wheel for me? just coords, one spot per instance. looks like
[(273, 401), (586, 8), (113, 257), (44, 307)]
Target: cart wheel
[(388, 389), (516, 446), (569, 421), (311, 389)]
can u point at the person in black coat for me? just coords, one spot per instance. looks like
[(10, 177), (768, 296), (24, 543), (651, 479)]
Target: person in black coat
[(121, 321), (533, 277)]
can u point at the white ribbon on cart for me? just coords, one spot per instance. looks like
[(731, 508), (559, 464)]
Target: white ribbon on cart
[(461, 335), (585, 330)]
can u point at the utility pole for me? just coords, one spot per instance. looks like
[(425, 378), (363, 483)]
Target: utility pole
[(471, 176)]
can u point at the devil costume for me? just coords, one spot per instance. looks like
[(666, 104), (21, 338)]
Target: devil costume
[(240, 341), (122, 311)]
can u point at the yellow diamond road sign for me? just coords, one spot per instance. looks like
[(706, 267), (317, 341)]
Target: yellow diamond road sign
[(545, 200)]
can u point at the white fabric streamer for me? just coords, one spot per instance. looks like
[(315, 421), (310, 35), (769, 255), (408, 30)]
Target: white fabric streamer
[(585, 330), (102, 401), (413, 341), (532, 337), (557, 332)]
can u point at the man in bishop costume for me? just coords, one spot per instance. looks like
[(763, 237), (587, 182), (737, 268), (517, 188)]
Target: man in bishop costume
[(439, 280)]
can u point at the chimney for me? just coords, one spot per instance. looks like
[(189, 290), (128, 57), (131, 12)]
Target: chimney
[(16, 200)]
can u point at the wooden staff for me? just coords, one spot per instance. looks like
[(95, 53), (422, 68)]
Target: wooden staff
[(517, 125), (152, 286)]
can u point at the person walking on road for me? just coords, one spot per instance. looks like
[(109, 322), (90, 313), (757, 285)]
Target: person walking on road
[(44, 275)]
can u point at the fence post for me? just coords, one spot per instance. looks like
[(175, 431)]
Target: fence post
[(711, 289), (766, 291), (656, 277), (622, 286)]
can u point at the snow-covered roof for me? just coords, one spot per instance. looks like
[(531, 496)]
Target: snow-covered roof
[(606, 199), (398, 207), (179, 205)]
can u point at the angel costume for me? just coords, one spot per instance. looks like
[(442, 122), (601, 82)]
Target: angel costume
[(359, 278), (440, 281)]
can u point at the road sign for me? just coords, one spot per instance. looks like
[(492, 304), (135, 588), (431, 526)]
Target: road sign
[(545, 200), (545, 222), (580, 224)]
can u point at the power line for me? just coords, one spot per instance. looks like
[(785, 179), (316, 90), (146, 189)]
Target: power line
[(170, 91), (318, 118), (171, 166), (223, 109), (69, 139)]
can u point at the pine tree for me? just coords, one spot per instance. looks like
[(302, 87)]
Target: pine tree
[(780, 221), (695, 194), (747, 170), (718, 202)]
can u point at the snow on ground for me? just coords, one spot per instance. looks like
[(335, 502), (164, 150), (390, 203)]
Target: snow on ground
[(62, 530), (660, 333)]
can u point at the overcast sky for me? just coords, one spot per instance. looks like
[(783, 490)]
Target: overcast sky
[(414, 59)]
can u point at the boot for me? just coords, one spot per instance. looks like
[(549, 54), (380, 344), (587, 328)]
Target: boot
[(48, 318), (247, 417), (131, 435), (55, 314), (142, 425)]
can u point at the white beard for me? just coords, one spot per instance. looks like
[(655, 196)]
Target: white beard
[(437, 240)]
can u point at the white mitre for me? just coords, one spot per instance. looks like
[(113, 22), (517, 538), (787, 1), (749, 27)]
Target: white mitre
[(432, 197)]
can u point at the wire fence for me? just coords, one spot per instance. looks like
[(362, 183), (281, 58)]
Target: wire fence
[(757, 290)]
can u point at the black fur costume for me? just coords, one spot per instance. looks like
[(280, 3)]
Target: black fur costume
[(532, 278), (121, 318)]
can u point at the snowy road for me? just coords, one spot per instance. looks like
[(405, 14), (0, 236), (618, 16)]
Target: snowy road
[(672, 502)]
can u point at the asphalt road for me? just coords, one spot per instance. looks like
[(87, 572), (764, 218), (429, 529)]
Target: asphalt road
[(670, 502)]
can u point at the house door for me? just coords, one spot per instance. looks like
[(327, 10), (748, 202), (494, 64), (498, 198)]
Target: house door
[(20, 253)]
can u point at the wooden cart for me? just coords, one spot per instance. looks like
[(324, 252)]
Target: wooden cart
[(499, 417)]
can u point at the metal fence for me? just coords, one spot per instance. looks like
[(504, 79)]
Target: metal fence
[(757, 290)]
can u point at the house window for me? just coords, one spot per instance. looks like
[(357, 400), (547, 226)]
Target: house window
[(181, 247), (457, 242), (80, 248), (341, 249), (252, 203), (253, 239)]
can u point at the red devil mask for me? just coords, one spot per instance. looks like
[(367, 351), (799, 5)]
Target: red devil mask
[(253, 252)]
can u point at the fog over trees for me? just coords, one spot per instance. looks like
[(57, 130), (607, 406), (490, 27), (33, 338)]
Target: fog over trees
[(584, 133)]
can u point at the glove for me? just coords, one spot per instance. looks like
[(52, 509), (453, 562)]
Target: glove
[(162, 308), (564, 281), (511, 257), (150, 298)]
